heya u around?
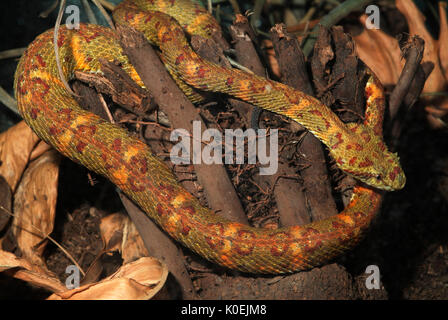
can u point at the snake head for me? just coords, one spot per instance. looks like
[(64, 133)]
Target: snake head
[(368, 159)]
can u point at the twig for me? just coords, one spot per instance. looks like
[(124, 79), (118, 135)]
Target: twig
[(107, 5), (414, 53), (44, 14), (106, 108), (8, 101), (104, 13), (88, 9), (56, 48), (12, 53)]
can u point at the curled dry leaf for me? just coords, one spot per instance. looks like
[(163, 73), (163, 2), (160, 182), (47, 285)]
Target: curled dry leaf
[(138, 280), (382, 54), (5, 204), (35, 205), (23, 269), (416, 23), (119, 233), (16, 145)]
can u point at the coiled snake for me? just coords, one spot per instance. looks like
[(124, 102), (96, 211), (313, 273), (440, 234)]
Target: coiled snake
[(109, 150)]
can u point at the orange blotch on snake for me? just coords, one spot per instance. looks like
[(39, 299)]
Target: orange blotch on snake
[(82, 119), (78, 52), (226, 261), (172, 223), (232, 229), (245, 84), (197, 22), (368, 91), (347, 219), (179, 200), (134, 149), (120, 175)]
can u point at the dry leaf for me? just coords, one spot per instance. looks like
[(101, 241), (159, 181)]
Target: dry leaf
[(380, 52), (23, 269), (5, 203), (16, 145), (130, 244), (443, 39), (416, 23), (140, 279), (35, 205)]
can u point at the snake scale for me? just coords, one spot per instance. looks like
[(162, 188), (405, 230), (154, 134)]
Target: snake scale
[(105, 148)]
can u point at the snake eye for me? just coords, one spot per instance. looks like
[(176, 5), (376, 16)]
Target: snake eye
[(378, 177)]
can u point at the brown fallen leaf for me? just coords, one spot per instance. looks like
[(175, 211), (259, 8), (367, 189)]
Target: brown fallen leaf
[(416, 23), (23, 269), (130, 244), (16, 145), (138, 280), (382, 54), (35, 205), (5, 204)]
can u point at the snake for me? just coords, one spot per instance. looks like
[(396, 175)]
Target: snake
[(52, 112)]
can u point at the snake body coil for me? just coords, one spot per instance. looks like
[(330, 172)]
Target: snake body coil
[(109, 150)]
